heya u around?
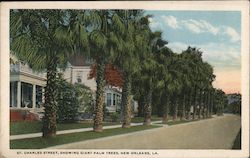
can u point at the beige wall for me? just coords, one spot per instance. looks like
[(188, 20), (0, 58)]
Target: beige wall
[(72, 73)]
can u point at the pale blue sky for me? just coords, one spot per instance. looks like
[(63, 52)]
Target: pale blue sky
[(217, 33)]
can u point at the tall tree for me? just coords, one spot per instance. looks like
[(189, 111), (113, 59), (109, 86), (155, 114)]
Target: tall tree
[(128, 41), (100, 50), (36, 38), (150, 75)]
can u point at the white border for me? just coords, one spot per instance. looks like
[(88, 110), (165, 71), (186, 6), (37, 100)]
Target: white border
[(242, 6)]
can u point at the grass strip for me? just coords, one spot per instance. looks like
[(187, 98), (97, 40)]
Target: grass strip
[(141, 119), (17, 128), (237, 141), (39, 143)]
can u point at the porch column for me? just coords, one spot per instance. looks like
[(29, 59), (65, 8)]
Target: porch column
[(111, 97), (18, 94), (34, 96)]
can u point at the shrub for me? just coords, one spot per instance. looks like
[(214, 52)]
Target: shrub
[(67, 109), (85, 98), (71, 100), (114, 116)]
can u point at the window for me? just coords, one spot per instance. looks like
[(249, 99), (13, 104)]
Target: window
[(79, 80), (108, 99), (79, 75), (26, 95), (114, 99), (39, 95)]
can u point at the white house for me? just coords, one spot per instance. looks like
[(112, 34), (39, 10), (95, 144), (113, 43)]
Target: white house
[(78, 70), (27, 86)]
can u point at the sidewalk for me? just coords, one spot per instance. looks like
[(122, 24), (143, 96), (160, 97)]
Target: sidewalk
[(34, 135)]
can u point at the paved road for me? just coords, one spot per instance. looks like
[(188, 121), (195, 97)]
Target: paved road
[(215, 133)]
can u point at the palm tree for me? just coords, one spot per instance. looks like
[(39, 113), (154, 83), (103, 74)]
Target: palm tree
[(149, 68), (196, 56), (100, 50), (170, 78), (36, 38), (220, 101), (128, 40)]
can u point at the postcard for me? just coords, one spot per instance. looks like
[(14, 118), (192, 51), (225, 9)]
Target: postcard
[(149, 79)]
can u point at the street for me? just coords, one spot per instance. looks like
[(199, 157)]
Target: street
[(215, 133)]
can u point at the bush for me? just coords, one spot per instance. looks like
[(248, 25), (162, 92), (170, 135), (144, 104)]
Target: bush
[(114, 116), (85, 98), (67, 109), (71, 100)]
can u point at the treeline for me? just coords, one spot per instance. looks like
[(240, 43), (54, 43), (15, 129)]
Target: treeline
[(181, 86), (156, 76)]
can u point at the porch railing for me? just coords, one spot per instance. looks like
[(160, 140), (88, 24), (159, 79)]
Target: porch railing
[(18, 68)]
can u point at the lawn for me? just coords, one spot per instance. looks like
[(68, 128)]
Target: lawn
[(141, 119), (39, 143), (35, 127), (237, 141)]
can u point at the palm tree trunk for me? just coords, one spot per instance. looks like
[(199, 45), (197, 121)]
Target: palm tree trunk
[(49, 119), (165, 103), (195, 103), (200, 103), (126, 102), (203, 106), (175, 109), (189, 104), (211, 103), (148, 108), (99, 96), (141, 106), (183, 114), (208, 95)]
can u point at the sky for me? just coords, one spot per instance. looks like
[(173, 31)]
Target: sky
[(216, 33)]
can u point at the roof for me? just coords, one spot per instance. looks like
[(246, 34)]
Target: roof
[(80, 60)]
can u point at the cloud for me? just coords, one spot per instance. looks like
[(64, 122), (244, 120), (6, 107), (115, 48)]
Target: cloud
[(209, 27), (177, 47), (219, 55), (232, 33), (195, 26), (200, 26), (191, 26), (170, 21), (153, 23)]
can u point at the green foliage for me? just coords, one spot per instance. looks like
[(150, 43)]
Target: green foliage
[(45, 39), (234, 103), (220, 101), (67, 101), (85, 98), (72, 99), (150, 69), (237, 141), (114, 116)]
